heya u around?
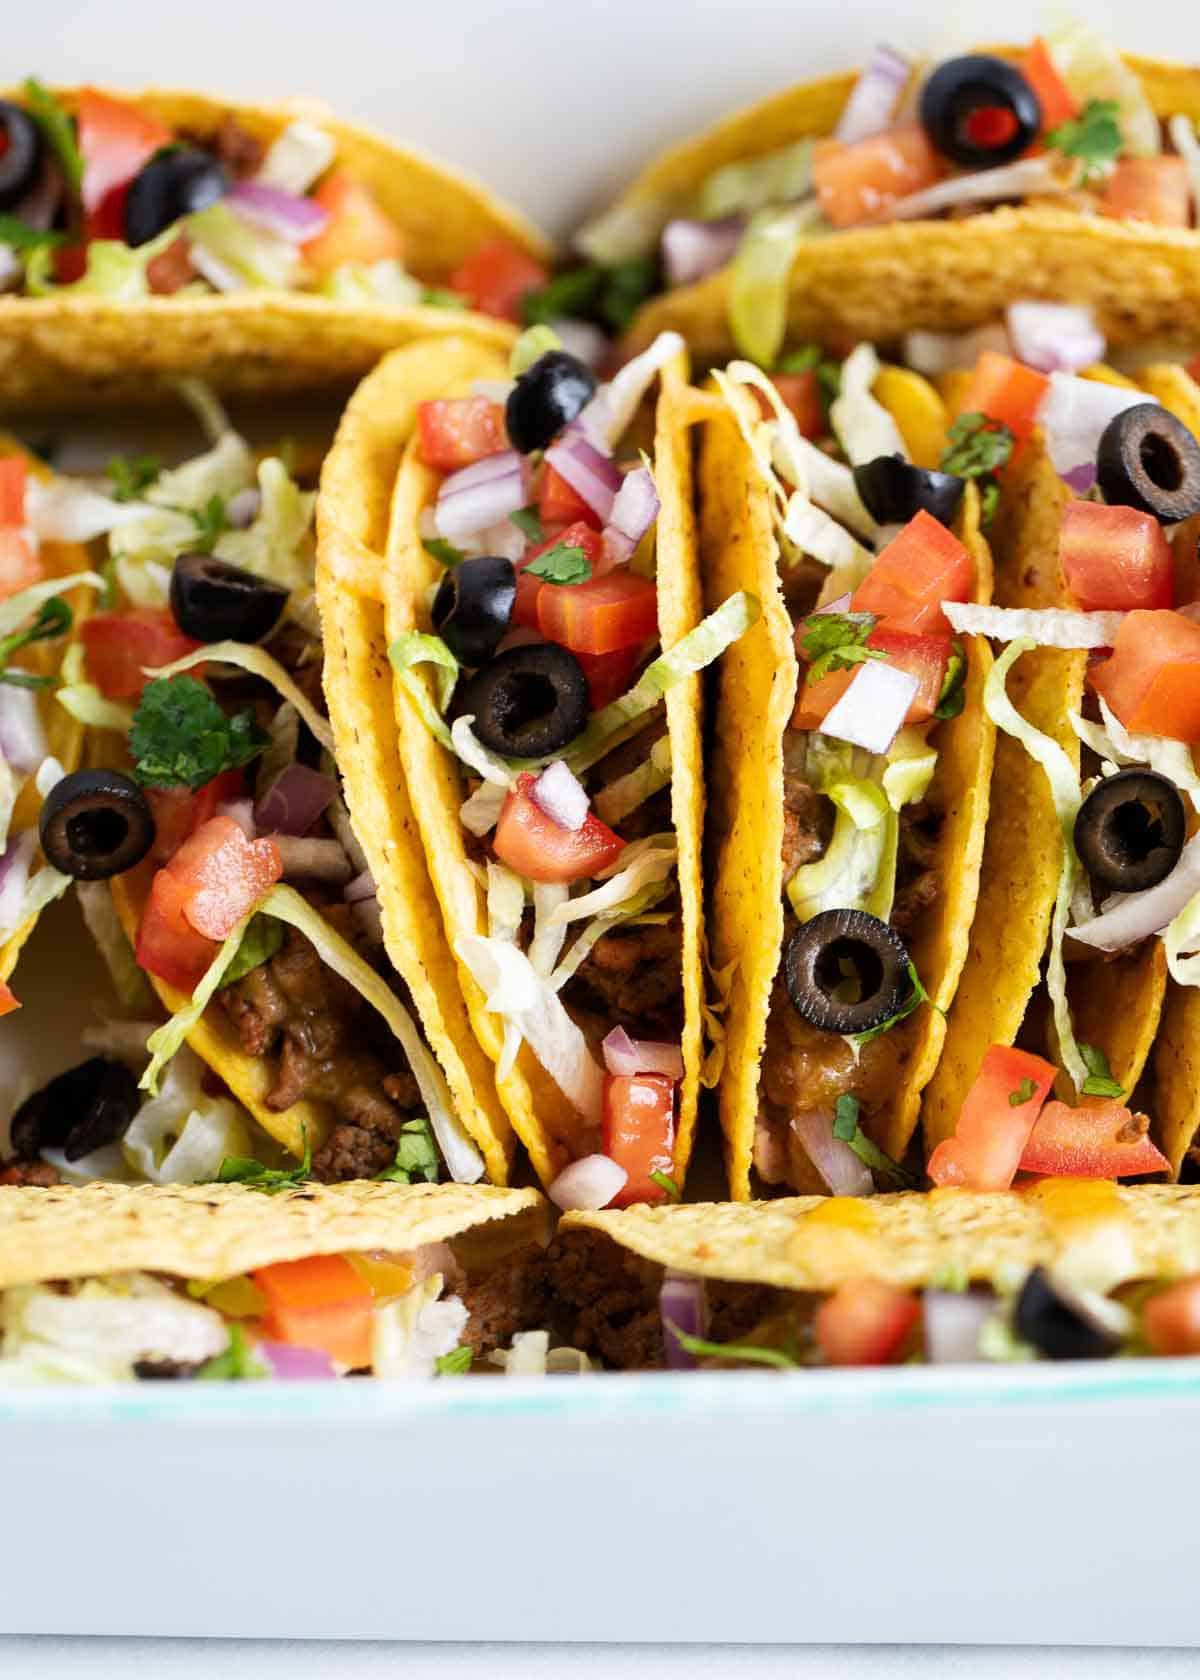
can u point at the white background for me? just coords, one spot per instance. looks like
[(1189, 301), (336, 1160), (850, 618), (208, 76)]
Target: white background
[(554, 104)]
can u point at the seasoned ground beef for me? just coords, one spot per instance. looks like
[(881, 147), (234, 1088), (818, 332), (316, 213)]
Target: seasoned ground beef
[(807, 824), (631, 978), (296, 1009), (241, 154), (505, 1297), (40, 1174)]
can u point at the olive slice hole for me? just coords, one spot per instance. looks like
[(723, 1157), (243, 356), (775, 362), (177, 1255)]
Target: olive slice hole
[(96, 833), (527, 697), (848, 970), (1161, 462), (1130, 830)]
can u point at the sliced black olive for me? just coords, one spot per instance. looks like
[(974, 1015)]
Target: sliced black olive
[(980, 111), (845, 971), (1049, 1319), (96, 823), (1150, 461), (176, 182), (528, 702), (216, 602), (1130, 830), (893, 490), (473, 606), (21, 155), (84, 1109), (547, 397)]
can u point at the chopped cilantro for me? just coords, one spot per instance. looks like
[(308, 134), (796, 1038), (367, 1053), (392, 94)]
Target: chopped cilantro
[(529, 522), (109, 594), (1025, 1092), (442, 550), (915, 998), (953, 695), (210, 522), (131, 474), (978, 447), (416, 1155), (564, 563), (58, 131), (624, 288), (262, 938), (244, 1169), (454, 1364), (182, 738), (54, 619), (836, 642), (1094, 137), (237, 1364), (846, 1129), (745, 1353), (21, 237), (668, 1185), (571, 294), (608, 296), (810, 358), (439, 297), (1100, 1081)]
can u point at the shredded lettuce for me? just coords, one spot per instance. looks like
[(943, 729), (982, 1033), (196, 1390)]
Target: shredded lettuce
[(144, 583), (641, 864), (480, 811), (624, 796), (102, 922), (476, 756), (409, 1335), (634, 909), (863, 427), (62, 509), (84, 700), (119, 1319), (607, 417), (858, 868), (758, 292), (249, 254), (528, 1354), (1113, 742), (413, 648), (1093, 69), (909, 768), (549, 930), (386, 282), (778, 177), (182, 1135), (624, 232), (114, 270), (1183, 935), (260, 664), (18, 608), (279, 544)]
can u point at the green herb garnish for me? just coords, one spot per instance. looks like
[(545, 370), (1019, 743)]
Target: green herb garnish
[(443, 551), (244, 1169), (1094, 137), (1025, 1092), (1100, 1081), (846, 1129), (21, 237), (262, 939), (58, 130), (439, 297), (836, 642), (54, 619), (236, 1364), (914, 1000), (182, 738), (210, 521), (609, 296), (571, 294), (455, 1363), (564, 564), (810, 358), (131, 474), (668, 1185), (529, 521), (416, 1155), (744, 1353), (954, 685), (980, 448)]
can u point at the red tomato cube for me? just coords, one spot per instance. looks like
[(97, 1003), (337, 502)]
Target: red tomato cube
[(539, 849), (995, 1121), (1057, 101), (115, 140), (1151, 189), (924, 565), (639, 1132), (224, 875), (359, 229), (608, 674), (1152, 680), (923, 657), (559, 504), (321, 1302), (1116, 559), (865, 1322), (604, 615), (14, 475), (458, 431), (1099, 1139), (122, 646), (19, 565), (1171, 1319), (856, 182), (496, 277), (1006, 390), (167, 944)]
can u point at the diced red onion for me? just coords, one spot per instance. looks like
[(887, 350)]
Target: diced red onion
[(588, 1184), (841, 605), (590, 474), (295, 1364), (362, 887), (1074, 414), (937, 353), (244, 508), (15, 860), (872, 102), (872, 710), (692, 250), (626, 1056), (953, 1322), (682, 1304), (582, 340), (1054, 336), (482, 495), (634, 510), (22, 733), (561, 796), (1082, 478), (1059, 627), (836, 1162), (285, 214), (242, 813), (1138, 915), (294, 800), (313, 860)]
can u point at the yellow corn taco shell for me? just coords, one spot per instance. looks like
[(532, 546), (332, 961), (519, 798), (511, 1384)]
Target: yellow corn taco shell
[(879, 282), (756, 691), (76, 348)]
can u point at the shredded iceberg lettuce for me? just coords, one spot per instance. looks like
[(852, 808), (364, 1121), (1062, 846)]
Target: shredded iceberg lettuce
[(476, 756), (182, 1135), (62, 509), (18, 608), (759, 275), (114, 270), (549, 930), (386, 282), (1113, 742), (1093, 69), (908, 769), (413, 648), (634, 909), (624, 232), (862, 425), (1182, 936), (279, 544), (249, 256), (858, 868), (777, 177), (260, 664), (410, 1334), (607, 417), (84, 700), (120, 1319), (640, 864), (624, 796)]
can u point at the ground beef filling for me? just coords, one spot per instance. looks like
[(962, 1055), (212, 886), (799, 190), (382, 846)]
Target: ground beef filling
[(319, 1033), (504, 1297), (631, 978), (39, 1175)]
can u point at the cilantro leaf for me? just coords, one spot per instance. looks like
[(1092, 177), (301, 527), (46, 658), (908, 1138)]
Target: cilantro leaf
[(442, 550), (440, 297), (210, 521), (836, 642), (953, 695), (456, 1363), (244, 1169), (1100, 1081), (564, 563), (846, 1129), (666, 1183), (573, 293), (182, 738), (915, 999), (416, 1155), (262, 938), (58, 131), (1094, 137), (1025, 1092), (237, 1364), (54, 619), (529, 522), (609, 296), (623, 289), (21, 237), (131, 474), (980, 448), (744, 1352)]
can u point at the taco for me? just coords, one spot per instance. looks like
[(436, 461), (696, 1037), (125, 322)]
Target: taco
[(211, 811), (851, 762), (543, 622), (261, 247), (920, 194), (119, 1283), (1060, 1270), (46, 590), (1078, 974)]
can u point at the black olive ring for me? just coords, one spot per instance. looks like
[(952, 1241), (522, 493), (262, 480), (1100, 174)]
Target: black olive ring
[(83, 1109), (22, 154), (529, 702), (215, 602), (1130, 830), (976, 82), (95, 824), (473, 606), (546, 398), (1059, 1327), (840, 951), (893, 491), (1150, 461)]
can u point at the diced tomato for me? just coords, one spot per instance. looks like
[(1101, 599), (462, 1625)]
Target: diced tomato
[(1099, 1139), (359, 229), (14, 474), (224, 875), (1193, 368), (1152, 680), (458, 431), (1149, 189), (180, 811), (496, 277), (171, 270), (8, 999), (856, 182), (1115, 559), (321, 1302), (559, 504), (115, 141), (167, 944), (539, 849), (1171, 1319), (525, 607), (121, 646), (604, 615), (639, 1132), (923, 565), (1005, 389), (1058, 103), (865, 1322), (923, 657), (608, 674), (19, 565), (801, 395), (70, 262), (579, 535), (995, 1121)]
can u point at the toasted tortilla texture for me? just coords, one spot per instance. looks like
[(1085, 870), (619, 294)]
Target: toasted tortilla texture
[(818, 1243), (222, 1230), (58, 350)]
